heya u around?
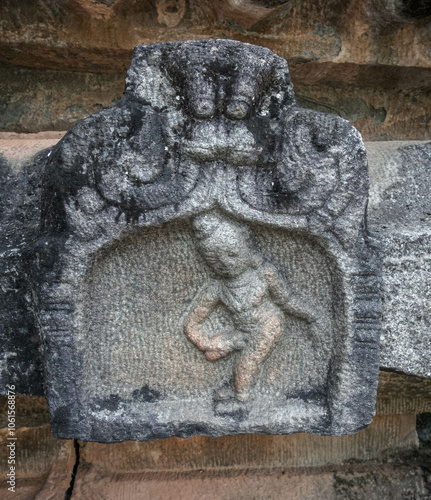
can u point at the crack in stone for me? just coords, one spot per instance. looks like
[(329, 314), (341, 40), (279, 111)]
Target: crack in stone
[(69, 491)]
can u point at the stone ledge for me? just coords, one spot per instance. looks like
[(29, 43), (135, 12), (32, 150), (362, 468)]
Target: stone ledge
[(386, 437), (84, 35), (382, 460)]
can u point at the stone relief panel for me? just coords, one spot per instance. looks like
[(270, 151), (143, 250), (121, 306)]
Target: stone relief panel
[(137, 349), (203, 265)]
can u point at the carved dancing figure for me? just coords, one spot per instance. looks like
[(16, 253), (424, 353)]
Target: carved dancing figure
[(254, 294)]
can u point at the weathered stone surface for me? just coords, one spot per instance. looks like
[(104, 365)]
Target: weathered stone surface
[(403, 394), (372, 483), (424, 429), (21, 161), (83, 35), (43, 464), (62, 99), (234, 461), (207, 173), (19, 150), (32, 411), (387, 437), (386, 175), (383, 104), (400, 213), (366, 61), (379, 114), (20, 362), (392, 203)]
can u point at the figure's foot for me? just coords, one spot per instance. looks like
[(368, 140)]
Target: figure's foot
[(231, 407), (243, 396), (224, 393), (226, 404)]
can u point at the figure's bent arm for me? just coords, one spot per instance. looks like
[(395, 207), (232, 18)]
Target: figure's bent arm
[(285, 300), (200, 309)]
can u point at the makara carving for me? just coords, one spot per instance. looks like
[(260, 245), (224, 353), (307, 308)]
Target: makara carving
[(207, 212)]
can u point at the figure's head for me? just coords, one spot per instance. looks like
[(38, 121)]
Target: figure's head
[(224, 244)]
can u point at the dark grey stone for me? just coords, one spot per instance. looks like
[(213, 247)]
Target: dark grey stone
[(203, 264), (20, 357)]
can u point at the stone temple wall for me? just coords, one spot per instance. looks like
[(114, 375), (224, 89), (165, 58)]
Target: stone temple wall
[(366, 61)]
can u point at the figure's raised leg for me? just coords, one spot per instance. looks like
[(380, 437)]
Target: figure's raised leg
[(223, 344)]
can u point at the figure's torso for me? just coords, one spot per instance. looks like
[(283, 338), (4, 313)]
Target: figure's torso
[(247, 300)]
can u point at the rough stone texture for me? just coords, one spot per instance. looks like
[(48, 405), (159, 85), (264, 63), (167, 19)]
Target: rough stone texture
[(367, 61), (19, 150), (387, 437), (402, 394), (400, 213), (381, 109), (424, 428), (43, 464), (386, 174), (87, 35), (207, 173), (391, 165), (374, 483), (380, 114), (20, 216), (376, 88), (384, 458), (21, 161), (38, 100)]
